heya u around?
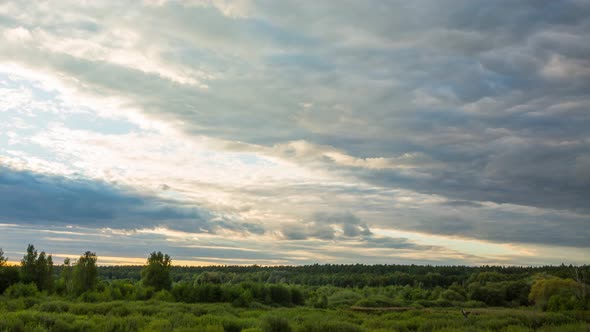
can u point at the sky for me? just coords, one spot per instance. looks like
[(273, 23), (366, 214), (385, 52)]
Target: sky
[(296, 132)]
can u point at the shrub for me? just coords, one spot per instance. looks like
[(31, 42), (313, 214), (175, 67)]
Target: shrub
[(159, 325), (543, 289), (164, 295), (330, 326), (11, 323), (280, 294), (210, 328), (130, 323), (9, 275), (275, 324), (297, 296), (343, 298), (231, 325), (21, 290), (90, 297), (54, 306), (244, 300), (474, 304), (451, 295)]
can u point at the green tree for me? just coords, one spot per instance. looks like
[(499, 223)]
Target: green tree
[(157, 272), (44, 272), (2, 258), (28, 265), (8, 274), (65, 283), (37, 268), (85, 273), (563, 289)]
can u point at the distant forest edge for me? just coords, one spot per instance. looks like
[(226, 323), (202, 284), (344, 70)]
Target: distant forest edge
[(549, 288)]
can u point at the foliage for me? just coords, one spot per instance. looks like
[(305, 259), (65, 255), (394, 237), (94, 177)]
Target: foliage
[(85, 273), (157, 272), (343, 298), (61, 315), (330, 326), (452, 295), (556, 293), (276, 324), (37, 268), (21, 290), (9, 275), (3, 259)]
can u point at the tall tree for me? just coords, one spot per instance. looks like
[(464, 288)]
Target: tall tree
[(8, 274), (37, 268), (45, 271), (66, 277), (157, 272), (2, 258), (28, 265), (85, 273)]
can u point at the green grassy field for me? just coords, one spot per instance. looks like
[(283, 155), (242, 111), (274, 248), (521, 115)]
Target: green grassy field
[(56, 314)]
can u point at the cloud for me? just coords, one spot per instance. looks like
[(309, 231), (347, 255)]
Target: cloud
[(31, 198), (492, 79), (466, 120), (351, 224), (326, 226)]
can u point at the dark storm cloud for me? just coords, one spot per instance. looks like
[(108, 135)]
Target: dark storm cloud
[(30, 198)]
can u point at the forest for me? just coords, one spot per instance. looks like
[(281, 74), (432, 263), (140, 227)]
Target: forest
[(81, 295)]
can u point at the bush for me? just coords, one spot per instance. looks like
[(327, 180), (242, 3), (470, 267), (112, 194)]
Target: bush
[(11, 323), (474, 304), (275, 324), (54, 306), (377, 301), (164, 296), (280, 294), (563, 302), (9, 275), (209, 328), (331, 326), (297, 296), (343, 298), (90, 297), (232, 325), (21, 290), (130, 323), (544, 289), (451, 295), (159, 325), (244, 300)]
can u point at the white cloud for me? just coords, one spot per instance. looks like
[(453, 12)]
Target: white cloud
[(17, 35)]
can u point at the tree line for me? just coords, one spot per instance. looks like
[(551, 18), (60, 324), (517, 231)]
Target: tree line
[(552, 288), (75, 278)]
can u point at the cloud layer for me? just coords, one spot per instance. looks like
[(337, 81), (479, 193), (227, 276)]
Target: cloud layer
[(322, 123)]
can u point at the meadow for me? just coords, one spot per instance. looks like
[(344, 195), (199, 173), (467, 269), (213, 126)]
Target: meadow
[(55, 314)]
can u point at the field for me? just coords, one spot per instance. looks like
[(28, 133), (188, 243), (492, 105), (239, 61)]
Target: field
[(55, 314)]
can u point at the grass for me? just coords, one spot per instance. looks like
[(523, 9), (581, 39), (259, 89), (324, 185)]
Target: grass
[(56, 314)]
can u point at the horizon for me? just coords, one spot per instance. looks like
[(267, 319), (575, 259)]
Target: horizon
[(279, 133), (18, 263)]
